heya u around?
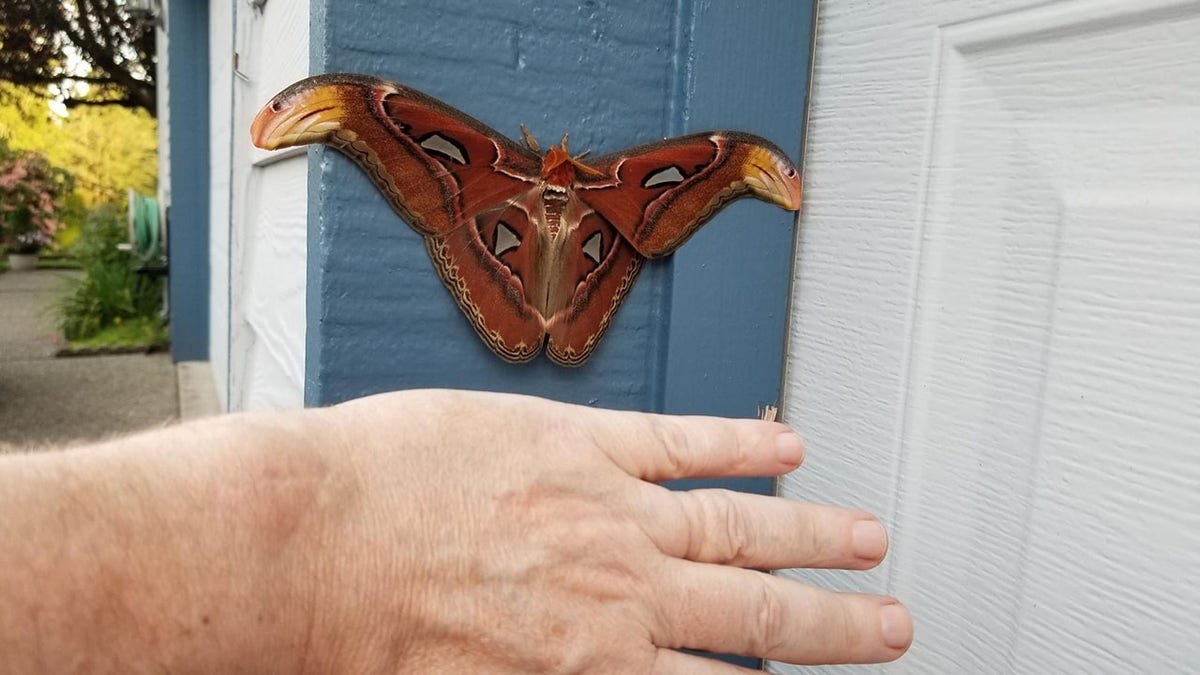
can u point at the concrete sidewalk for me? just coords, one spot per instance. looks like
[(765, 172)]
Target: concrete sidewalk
[(48, 400)]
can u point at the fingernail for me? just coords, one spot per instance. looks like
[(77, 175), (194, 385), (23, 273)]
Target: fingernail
[(870, 540), (790, 448), (897, 626)]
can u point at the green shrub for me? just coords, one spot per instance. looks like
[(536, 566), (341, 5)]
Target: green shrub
[(111, 292)]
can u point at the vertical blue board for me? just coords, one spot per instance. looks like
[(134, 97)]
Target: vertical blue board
[(613, 74), (731, 283), (187, 231)]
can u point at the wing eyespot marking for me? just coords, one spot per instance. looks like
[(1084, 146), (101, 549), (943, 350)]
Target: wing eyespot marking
[(593, 246), (444, 146), (505, 239), (671, 175)]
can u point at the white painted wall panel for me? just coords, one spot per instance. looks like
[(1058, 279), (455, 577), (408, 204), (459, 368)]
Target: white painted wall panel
[(220, 74), (263, 208), (274, 284), (996, 343), (163, 112)]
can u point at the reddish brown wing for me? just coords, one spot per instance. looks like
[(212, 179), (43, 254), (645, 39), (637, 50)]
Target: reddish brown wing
[(659, 194), (487, 265), (598, 268), (442, 171), (436, 165)]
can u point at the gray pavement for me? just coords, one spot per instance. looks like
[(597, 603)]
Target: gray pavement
[(47, 400)]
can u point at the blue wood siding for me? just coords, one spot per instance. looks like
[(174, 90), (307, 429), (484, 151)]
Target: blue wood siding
[(613, 74), (187, 232), (379, 316)]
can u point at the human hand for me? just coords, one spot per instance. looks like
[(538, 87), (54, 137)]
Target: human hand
[(470, 532)]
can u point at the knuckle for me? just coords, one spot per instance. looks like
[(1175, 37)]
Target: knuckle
[(728, 532), (673, 440), (739, 453), (738, 535), (768, 621)]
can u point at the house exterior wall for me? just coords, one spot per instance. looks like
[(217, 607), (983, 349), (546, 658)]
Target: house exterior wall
[(996, 325), (380, 317), (613, 74), (641, 72)]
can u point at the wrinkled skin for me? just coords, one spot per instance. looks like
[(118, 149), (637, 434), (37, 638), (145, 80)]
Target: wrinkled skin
[(432, 531), (575, 563)]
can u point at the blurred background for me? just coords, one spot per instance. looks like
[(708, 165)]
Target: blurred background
[(82, 274)]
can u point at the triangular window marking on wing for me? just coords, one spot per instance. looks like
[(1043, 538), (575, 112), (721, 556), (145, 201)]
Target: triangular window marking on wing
[(591, 247), (506, 239), (668, 176), (445, 147)]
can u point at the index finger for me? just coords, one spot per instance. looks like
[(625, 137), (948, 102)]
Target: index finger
[(658, 448)]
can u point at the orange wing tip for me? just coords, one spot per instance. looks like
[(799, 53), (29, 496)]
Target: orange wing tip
[(299, 117), (772, 178)]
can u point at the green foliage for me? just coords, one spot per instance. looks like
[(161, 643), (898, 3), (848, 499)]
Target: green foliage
[(108, 149), (72, 216), (111, 292), (137, 332)]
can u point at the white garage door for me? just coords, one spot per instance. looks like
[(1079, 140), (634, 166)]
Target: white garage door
[(996, 339)]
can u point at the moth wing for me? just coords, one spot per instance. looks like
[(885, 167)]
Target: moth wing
[(436, 165), (598, 268), (489, 265), (657, 195), (450, 176)]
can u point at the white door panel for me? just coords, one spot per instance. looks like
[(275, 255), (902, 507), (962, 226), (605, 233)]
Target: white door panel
[(268, 209), (996, 340)]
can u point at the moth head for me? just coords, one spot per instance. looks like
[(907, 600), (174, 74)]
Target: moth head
[(559, 167)]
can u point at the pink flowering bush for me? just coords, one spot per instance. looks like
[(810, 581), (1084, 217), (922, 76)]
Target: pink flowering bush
[(30, 193)]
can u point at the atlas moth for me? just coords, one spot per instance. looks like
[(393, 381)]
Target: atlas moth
[(538, 248)]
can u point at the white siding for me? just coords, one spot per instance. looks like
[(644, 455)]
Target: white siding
[(259, 210), (220, 74), (996, 339), (163, 113)]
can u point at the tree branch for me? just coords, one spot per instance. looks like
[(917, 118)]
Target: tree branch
[(40, 37), (123, 102)]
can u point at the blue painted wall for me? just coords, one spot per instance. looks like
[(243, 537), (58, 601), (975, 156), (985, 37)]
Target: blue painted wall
[(379, 316), (612, 73), (187, 233)]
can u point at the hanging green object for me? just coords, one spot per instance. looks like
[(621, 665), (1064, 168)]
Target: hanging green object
[(145, 228)]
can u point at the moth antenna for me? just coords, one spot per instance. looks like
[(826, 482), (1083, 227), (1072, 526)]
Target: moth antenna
[(583, 154), (530, 140), (591, 171), (564, 143)]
